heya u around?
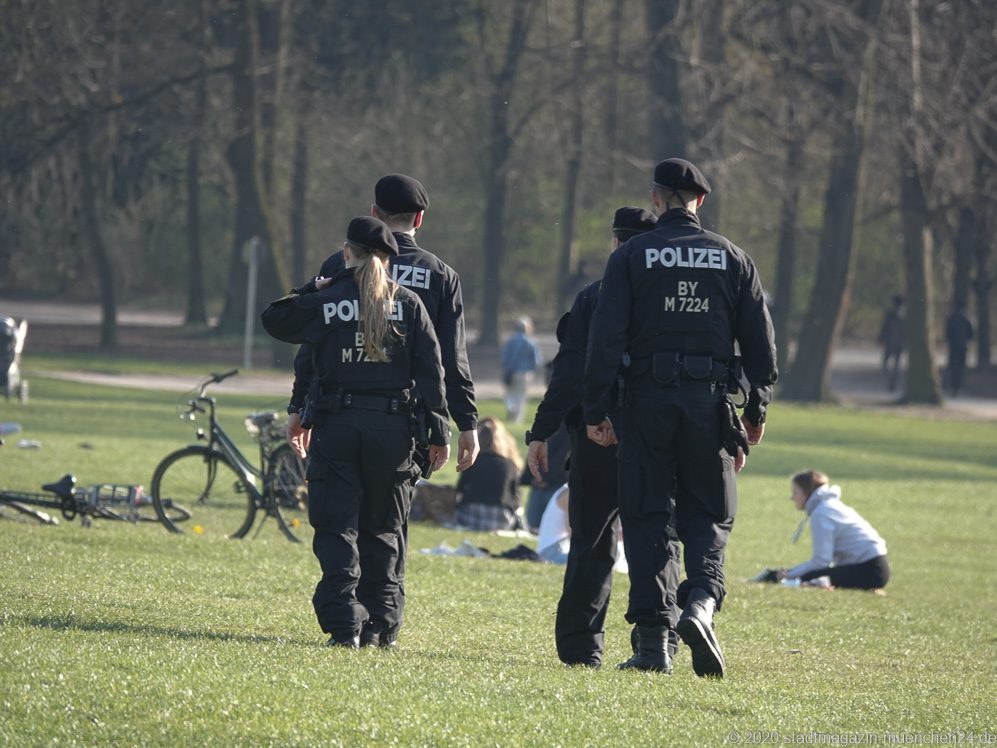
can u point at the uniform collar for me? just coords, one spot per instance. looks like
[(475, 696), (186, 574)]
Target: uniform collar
[(406, 243), (343, 272), (678, 217)]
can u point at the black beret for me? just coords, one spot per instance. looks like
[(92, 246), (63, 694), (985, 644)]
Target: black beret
[(371, 234), (679, 174), (397, 193), (633, 220)]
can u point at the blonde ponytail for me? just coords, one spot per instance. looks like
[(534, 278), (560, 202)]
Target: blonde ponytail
[(377, 299)]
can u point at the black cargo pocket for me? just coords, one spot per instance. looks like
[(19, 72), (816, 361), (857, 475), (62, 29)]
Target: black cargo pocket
[(319, 499), (665, 368), (698, 367)]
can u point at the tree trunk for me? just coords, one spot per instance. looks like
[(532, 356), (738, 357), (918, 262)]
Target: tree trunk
[(243, 155), (922, 375), (809, 376), (573, 161), (966, 237), (666, 125), (495, 195), (273, 23), (496, 174), (196, 313), (612, 91), (102, 261), (923, 385), (786, 264), (299, 189), (709, 61), (982, 286)]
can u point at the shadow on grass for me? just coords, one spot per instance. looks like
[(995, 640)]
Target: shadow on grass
[(63, 623)]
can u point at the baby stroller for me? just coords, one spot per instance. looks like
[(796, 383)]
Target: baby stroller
[(12, 337)]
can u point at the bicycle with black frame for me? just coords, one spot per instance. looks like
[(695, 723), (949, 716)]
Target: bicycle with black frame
[(100, 501), (222, 488)]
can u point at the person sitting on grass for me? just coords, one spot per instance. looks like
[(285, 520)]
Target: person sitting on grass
[(487, 492), (846, 548)]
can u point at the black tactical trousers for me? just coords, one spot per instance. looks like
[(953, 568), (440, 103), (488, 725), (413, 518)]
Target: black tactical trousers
[(670, 452), (358, 503), (581, 612), (579, 628)]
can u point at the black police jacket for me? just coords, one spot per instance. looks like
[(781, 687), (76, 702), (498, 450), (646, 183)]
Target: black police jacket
[(328, 321), (680, 288), (438, 285), (563, 399)]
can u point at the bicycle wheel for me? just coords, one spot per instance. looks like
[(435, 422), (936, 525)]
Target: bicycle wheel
[(174, 511), (199, 489), (287, 497)]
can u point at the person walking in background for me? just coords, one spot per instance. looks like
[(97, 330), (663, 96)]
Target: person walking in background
[(958, 333), (892, 336), (373, 345), (521, 356)]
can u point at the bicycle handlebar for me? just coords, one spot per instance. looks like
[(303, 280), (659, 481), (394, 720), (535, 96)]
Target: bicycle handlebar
[(192, 405), (214, 379)]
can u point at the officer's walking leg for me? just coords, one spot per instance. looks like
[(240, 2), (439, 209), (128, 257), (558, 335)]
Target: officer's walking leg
[(334, 495), (579, 628), (646, 480), (386, 464), (705, 504)]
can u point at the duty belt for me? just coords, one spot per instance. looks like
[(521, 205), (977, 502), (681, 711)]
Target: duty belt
[(336, 402), (670, 368)]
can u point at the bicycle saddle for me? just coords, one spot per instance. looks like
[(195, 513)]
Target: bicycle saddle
[(63, 488)]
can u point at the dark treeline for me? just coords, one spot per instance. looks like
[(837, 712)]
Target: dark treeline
[(851, 144)]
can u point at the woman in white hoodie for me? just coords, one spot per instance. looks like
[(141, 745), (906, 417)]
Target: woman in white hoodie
[(845, 547)]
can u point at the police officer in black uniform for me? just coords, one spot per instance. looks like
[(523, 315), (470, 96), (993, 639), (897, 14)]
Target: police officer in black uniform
[(400, 201), (579, 629), (373, 344), (678, 299)]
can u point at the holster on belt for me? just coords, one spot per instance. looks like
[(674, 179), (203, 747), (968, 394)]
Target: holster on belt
[(734, 384), (419, 420), (308, 409), (318, 405), (671, 368)]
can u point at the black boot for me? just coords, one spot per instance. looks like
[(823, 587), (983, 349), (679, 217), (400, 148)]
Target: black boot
[(349, 641), (375, 634), (695, 626), (651, 650)]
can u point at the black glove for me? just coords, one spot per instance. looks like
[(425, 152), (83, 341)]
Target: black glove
[(732, 433)]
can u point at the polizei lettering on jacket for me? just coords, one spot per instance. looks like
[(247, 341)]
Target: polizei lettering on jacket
[(707, 258), (410, 275), (348, 310)]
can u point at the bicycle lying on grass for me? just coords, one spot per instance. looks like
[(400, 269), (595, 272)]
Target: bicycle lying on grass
[(223, 489), (100, 501)]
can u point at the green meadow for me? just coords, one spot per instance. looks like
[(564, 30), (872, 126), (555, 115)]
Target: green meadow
[(122, 634)]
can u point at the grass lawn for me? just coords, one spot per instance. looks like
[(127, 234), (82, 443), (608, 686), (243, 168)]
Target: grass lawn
[(128, 635)]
